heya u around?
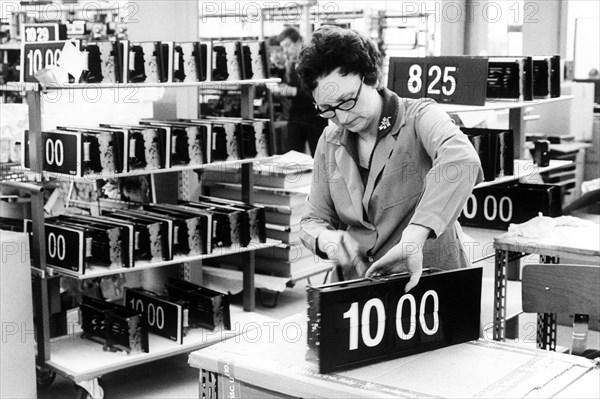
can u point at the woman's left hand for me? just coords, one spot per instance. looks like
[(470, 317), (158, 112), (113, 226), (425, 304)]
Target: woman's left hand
[(407, 255)]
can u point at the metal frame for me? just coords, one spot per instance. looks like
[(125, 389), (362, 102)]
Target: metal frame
[(502, 260), (209, 388), (547, 322), (546, 333)]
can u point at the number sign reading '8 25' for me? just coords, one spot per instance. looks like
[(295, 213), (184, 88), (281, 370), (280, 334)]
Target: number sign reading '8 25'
[(456, 80), (366, 321)]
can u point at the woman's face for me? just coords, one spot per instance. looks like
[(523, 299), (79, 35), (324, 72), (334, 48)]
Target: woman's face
[(335, 88)]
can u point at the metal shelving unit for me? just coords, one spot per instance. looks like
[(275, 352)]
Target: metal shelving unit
[(517, 120), (99, 271), (517, 117), (524, 169), (84, 362)]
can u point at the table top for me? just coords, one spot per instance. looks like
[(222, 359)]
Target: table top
[(563, 240), (587, 387), (473, 369)]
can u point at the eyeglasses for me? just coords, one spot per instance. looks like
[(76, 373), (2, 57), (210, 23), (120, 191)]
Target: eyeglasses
[(345, 105)]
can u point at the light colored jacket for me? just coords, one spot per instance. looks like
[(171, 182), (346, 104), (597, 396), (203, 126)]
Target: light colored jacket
[(423, 170)]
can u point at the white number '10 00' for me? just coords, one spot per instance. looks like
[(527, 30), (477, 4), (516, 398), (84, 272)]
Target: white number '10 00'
[(38, 60), (365, 319)]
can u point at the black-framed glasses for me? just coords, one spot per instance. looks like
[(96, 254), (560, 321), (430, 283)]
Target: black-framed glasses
[(345, 105)]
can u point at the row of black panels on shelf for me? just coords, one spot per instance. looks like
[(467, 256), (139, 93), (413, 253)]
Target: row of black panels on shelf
[(495, 150), (120, 238), (473, 80), (496, 207), (126, 327), (114, 326), (153, 144), (123, 61), (524, 78)]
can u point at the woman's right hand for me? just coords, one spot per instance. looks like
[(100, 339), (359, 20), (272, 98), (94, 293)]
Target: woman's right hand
[(344, 250)]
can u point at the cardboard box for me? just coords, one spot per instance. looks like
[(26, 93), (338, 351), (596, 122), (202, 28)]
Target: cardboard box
[(272, 359)]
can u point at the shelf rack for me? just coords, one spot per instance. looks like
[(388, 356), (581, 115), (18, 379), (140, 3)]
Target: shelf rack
[(523, 169), (140, 172), (82, 360), (62, 357), (99, 271), (516, 115), (218, 84), (13, 45)]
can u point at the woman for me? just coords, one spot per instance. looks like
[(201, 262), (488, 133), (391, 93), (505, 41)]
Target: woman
[(391, 175)]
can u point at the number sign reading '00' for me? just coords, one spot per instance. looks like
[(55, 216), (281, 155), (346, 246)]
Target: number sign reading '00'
[(496, 207), (64, 248), (457, 80), (62, 150), (366, 321)]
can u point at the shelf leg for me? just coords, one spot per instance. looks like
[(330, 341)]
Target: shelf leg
[(248, 282), (500, 281), (38, 239), (42, 330), (248, 257), (517, 124), (546, 331), (547, 322)]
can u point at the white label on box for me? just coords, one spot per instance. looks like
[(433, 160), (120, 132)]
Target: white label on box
[(88, 247), (86, 151), (176, 60)]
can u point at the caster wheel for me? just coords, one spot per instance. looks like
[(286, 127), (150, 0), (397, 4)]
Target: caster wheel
[(44, 377), (81, 393)]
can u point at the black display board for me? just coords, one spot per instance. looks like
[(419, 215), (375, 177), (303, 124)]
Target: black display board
[(366, 321)]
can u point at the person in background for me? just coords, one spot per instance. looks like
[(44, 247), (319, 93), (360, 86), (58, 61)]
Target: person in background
[(391, 174), (303, 125)]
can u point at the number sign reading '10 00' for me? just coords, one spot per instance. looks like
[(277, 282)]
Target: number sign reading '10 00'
[(365, 321), (162, 317), (457, 80), (39, 55), (496, 207)]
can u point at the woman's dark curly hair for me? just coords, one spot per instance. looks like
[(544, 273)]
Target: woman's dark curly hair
[(332, 47)]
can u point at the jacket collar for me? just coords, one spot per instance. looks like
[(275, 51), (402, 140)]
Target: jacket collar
[(391, 120)]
